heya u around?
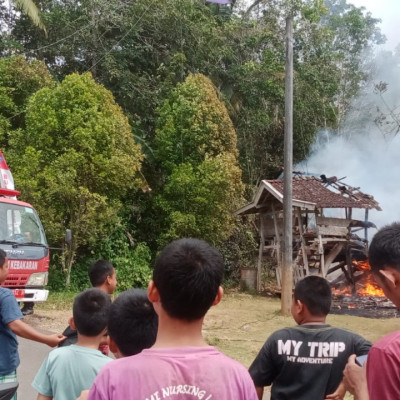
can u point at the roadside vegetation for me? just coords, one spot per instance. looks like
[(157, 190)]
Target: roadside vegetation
[(133, 124)]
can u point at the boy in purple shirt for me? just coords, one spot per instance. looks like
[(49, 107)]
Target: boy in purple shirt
[(186, 283)]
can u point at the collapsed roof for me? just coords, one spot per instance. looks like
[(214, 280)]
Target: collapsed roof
[(310, 192)]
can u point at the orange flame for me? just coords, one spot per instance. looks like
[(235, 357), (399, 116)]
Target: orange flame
[(343, 292), (371, 289), (368, 288), (362, 265)]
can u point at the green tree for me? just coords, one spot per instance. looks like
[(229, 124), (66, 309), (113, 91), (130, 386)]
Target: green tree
[(19, 80), (329, 45), (143, 49), (196, 147), (75, 160)]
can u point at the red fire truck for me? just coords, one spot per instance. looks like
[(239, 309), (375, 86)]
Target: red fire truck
[(22, 237)]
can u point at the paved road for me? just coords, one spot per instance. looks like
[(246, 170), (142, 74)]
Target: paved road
[(31, 354)]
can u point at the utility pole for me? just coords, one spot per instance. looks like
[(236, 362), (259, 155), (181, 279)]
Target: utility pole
[(287, 256)]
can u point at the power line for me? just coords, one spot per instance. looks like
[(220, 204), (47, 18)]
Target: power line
[(60, 40), (123, 37)]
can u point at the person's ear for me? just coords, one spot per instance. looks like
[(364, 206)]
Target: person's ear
[(219, 295), (71, 323), (114, 348), (152, 292), (108, 279), (298, 306), (391, 277)]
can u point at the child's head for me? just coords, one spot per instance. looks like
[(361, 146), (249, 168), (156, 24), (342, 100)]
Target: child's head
[(133, 323), (384, 250), (314, 293), (102, 275), (91, 311), (384, 259), (3, 266), (187, 275)]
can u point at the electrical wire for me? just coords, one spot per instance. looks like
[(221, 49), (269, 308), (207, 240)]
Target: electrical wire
[(122, 38)]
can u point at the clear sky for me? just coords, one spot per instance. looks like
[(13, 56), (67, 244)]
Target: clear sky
[(389, 12)]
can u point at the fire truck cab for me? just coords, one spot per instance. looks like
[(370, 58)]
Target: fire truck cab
[(22, 237)]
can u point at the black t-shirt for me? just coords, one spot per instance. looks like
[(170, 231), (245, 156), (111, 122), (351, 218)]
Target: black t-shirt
[(72, 337), (305, 362)]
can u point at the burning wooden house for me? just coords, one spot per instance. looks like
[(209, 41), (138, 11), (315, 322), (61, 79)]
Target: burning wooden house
[(325, 234)]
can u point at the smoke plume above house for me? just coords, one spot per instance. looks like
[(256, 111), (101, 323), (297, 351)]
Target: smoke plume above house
[(366, 149)]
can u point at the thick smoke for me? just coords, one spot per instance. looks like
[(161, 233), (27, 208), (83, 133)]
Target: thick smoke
[(367, 149)]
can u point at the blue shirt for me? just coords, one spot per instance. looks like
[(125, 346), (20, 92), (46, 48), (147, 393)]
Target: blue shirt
[(9, 311)]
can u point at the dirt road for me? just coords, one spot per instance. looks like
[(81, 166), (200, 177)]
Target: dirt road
[(32, 353)]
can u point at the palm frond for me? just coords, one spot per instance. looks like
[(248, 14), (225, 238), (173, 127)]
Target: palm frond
[(30, 9)]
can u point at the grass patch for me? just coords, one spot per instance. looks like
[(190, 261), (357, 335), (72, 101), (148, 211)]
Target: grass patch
[(57, 301)]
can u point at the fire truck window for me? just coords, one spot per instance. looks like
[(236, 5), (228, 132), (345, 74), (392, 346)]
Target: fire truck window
[(30, 229), (27, 236), (13, 222), (20, 224), (3, 225)]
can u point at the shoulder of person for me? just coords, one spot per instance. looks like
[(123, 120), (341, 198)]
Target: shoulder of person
[(286, 332), (348, 333), (6, 293), (388, 343)]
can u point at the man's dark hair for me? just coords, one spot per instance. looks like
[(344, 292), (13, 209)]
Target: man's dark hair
[(98, 272), (133, 322), (384, 250), (187, 274), (91, 311), (3, 256), (315, 293)]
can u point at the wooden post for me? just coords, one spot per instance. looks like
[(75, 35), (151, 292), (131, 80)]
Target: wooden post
[(278, 239), (303, 242), (287, 259), (260, 252)]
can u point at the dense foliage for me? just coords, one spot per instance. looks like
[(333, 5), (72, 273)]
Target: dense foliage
[(202, 86), (19, 80), (196, 147), (75, 160)]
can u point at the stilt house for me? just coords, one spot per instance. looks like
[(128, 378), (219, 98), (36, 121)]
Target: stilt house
[(325, 235)]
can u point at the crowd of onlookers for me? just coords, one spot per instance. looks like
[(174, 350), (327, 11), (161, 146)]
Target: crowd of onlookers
[(148, 345)]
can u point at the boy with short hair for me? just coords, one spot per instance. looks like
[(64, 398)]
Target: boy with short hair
[(186, 283), (68, 370), (307, 361), (11, 326), (102, 276), (133, 323)]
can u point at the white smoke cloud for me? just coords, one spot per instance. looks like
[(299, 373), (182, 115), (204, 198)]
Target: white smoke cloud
[(365, 152)]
